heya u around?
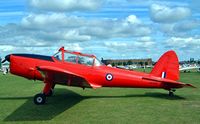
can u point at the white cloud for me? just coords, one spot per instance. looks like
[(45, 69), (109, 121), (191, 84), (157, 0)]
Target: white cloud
[(181, 28), (186, 47), (164, 14), (140, 47), (6, 48), (144, 43), (189, 43), (66, 5), (139, 44), (67, 35), (46, 21), (84, 28), (38, 31), (115, 44), (132, 19), (73, 46)]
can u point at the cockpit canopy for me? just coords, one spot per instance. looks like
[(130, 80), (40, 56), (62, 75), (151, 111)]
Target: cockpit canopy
[(77, 57)]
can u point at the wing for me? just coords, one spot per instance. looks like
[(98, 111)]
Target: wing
[(64, 76)]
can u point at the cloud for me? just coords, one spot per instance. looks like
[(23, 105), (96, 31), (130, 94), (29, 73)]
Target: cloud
[(132, 19), (144, 43), (187, 25), (37, 32), (138, 44), (54, 20), (164, 14), (61, 26), (13, 34), (74, 47), (66, 5), (188, 43), (115, 44), (64, 35), (130, 48), (181, 28), (186, 47), (6, 48)]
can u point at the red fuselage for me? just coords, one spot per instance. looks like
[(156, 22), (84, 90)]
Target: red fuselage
[(25, 65)]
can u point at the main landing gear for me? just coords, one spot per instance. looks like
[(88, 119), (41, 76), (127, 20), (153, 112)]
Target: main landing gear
[(171, 92), (40, 98)]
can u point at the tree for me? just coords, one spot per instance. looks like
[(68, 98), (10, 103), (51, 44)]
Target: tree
[(113, 64), (124, 63), (146, 63), (129, 62), (141, 63), (119, 63)]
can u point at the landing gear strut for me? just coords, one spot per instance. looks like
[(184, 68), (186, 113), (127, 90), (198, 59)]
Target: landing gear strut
[(50, 93), (171, 92), (40, 98)]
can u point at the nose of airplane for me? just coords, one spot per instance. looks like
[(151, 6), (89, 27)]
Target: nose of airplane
[(7, 58)]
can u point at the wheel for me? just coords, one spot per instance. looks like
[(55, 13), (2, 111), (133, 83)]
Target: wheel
[(171, 93), (50, 93), (39, 99)]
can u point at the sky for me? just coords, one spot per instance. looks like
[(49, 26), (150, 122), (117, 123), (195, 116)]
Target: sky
[(109, 29)]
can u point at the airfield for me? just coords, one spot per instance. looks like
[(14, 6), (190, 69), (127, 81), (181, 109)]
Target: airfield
[(105, 105)]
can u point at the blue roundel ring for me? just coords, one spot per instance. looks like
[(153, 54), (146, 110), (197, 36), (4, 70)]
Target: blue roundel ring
[(109, 76)]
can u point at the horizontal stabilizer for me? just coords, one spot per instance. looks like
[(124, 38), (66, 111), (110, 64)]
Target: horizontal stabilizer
[(168, 83), (190, 85)]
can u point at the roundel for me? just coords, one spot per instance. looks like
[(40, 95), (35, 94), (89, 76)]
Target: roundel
[(109, 77)]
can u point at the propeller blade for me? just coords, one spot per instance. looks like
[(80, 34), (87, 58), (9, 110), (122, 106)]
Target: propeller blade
[(7, 58), (3, 61)]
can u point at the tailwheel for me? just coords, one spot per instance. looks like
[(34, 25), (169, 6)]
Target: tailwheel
[(40, 99), (171, 92)]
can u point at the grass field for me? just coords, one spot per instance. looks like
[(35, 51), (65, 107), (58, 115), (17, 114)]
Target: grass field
[(104, 105)]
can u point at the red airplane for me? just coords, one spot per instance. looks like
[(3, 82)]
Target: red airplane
[(83, 70)]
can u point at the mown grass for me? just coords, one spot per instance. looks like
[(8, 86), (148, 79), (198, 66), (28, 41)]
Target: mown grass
[(104, 105)]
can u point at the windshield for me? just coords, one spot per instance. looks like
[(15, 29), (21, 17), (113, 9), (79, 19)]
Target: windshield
[(73, 58), (70, 58), (85, 60), (97, 62), (58, 55)]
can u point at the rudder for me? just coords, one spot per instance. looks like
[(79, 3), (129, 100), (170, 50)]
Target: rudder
[(167, 66)]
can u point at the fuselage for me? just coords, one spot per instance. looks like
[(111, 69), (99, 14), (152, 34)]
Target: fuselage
[(25, 65)]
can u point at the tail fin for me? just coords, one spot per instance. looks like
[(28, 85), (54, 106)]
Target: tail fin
[(167, 66)]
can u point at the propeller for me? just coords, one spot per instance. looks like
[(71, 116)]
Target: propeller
[(7, 58)]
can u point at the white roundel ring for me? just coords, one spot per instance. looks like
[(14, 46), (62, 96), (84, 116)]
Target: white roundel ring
[(109, 77)]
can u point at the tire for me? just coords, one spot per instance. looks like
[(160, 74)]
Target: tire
[(171, 94), (39, 99)]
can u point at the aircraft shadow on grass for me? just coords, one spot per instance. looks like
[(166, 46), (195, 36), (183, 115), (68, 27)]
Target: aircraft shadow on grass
[(63, 100)]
